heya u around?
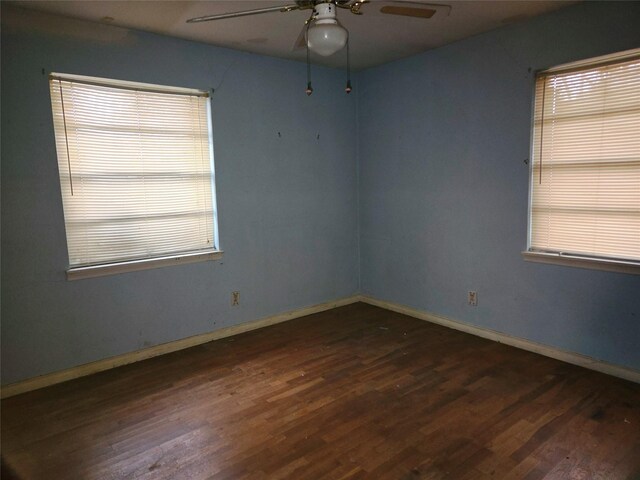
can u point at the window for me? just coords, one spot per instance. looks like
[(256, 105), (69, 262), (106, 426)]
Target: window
[(136, 174), (585, 176)]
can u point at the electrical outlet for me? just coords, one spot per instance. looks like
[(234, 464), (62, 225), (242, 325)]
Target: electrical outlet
[(235, 299), (472, 298)]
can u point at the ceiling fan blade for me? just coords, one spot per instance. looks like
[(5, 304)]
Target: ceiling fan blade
[(409, 8), (301, 41), (244, 13), (408, 11)]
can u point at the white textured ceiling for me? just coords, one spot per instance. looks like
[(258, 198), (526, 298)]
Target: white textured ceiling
[(375, 38)]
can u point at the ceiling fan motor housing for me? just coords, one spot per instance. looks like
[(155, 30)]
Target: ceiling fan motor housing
[(326, 36)]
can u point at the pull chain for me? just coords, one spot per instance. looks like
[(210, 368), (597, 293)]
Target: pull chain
[(309, 89), (348, 87)]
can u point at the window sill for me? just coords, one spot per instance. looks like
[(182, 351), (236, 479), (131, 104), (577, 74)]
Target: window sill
[(91, 271), (629, 267)]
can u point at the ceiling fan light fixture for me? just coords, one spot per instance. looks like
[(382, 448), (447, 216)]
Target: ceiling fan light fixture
[(326, 36), (326, 39)]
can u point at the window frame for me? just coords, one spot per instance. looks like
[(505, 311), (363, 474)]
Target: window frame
[(531, 254), (99, 269)]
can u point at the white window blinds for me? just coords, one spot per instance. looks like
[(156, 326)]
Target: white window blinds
[(136, 169), (585, 192)]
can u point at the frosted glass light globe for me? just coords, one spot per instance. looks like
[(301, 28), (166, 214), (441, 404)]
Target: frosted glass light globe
[(327, 38)]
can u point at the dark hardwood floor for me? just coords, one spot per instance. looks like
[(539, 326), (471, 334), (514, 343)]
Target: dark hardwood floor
[(355, 392)]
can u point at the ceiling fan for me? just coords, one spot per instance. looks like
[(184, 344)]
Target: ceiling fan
[(321, 32)]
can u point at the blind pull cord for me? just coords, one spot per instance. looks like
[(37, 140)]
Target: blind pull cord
[(66, 137), (544, 91)]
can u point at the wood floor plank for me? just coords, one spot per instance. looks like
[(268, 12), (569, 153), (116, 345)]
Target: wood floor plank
[(353, 393)]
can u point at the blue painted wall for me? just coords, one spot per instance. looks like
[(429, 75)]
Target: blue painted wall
[(287, 204), (444, 186)]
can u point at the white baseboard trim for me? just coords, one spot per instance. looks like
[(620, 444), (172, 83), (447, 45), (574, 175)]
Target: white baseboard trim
[(138, 355), (553, 352), (124, 359)]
